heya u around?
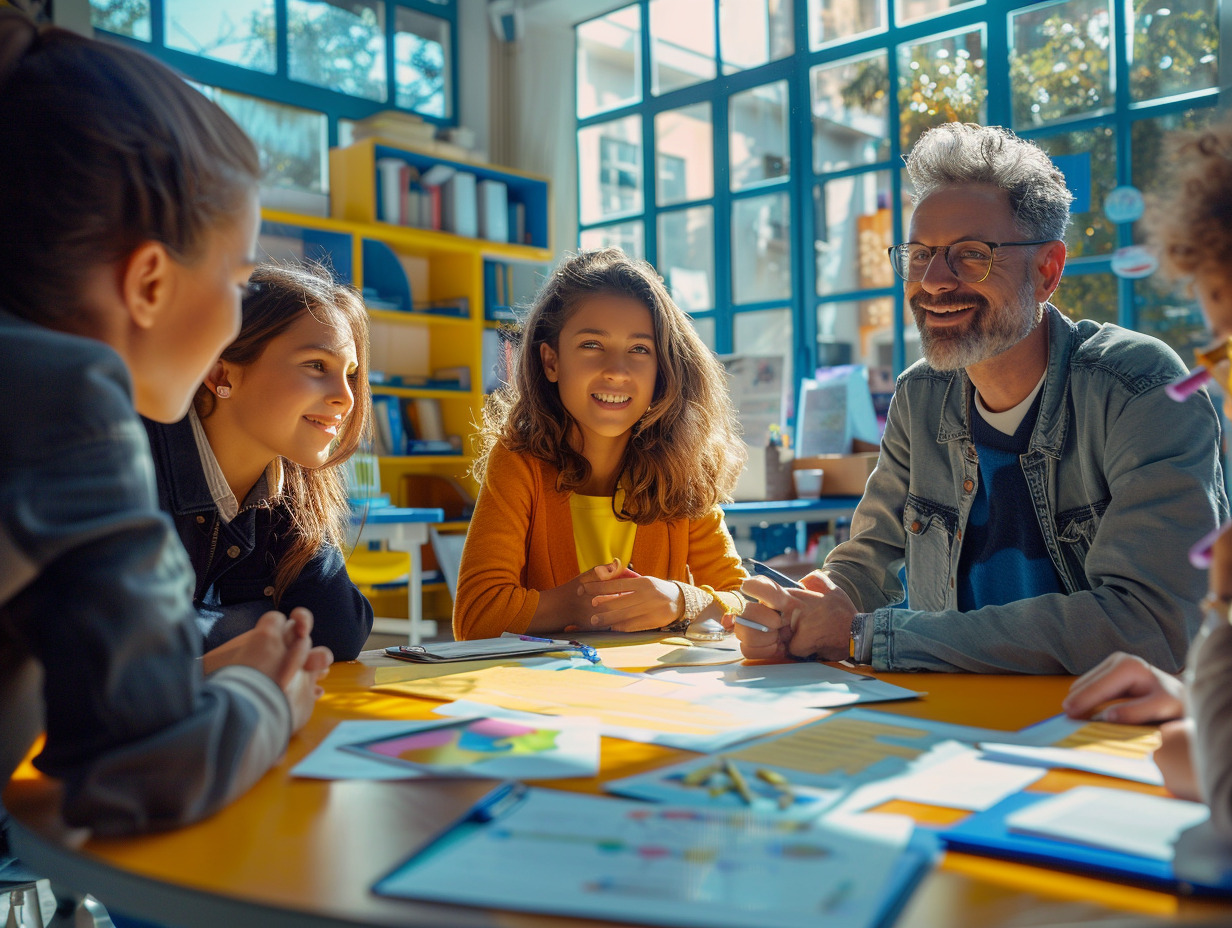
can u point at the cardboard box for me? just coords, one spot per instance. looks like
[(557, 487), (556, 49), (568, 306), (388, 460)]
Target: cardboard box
[(843, 474)]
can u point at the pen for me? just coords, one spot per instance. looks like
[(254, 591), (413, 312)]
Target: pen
[(757, 567), (1200, 553), (749, 623), (566, 645)]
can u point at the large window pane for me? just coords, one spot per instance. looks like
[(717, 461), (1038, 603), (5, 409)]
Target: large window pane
[(681, 43), (909, 11), (705, 328), (1087, 296), (836, 20), (684, 154), (686, 256), (1170, 312), (1147, 144), (851, 123), (293, 142), (1091, 153), (421, 63), (854, 228), (609, 70), (761, 248), (759, 136), (627, 236), (610, 169), (862, 332), (767, 332), (123, 17), (940, 80), (235, 31), (1175, 47), (339, 45), (1060, 60), (752, 32)]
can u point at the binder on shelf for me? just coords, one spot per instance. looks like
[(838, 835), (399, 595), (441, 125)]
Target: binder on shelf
[(459, 206), (493, 210), (429, 419), (389, 428)]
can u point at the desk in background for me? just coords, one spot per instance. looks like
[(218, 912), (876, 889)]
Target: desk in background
[(402, 529), (753, 523), (303, 853)]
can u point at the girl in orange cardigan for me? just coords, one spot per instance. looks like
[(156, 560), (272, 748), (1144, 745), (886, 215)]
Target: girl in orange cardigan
[(602, 465)]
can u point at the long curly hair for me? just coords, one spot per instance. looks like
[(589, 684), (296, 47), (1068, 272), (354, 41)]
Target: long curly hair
[(684, 454), (1191, 224), (279, 294)]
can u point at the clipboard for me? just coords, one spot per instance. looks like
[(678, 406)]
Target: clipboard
[(483, 649), (1201, 865), (629, 861)]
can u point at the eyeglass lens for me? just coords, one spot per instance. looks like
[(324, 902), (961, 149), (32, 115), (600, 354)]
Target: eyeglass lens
[(968, 261)]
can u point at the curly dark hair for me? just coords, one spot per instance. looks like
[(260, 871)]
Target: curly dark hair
[(1191, 224), (685, 453)]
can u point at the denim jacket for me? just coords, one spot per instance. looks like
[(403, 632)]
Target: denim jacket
[(98, 640), (1123, 481), (235, 561)]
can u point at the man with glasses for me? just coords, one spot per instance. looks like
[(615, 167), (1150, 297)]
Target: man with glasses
[(1035, 480)]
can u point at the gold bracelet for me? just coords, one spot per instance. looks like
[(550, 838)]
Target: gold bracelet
[(695, 601), (731, 602)]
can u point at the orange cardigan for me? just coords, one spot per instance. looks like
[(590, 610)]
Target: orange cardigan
[(520, 541)]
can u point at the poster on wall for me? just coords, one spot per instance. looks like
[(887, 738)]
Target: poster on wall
[(758, 385)]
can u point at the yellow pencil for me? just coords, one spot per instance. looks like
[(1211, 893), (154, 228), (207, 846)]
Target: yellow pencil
[(737, 781)]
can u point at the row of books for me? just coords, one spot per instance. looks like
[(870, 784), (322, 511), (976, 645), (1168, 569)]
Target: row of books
[(446, 199), (410, 426)]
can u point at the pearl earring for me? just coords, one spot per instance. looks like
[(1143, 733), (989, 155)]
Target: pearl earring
[(223, 392)]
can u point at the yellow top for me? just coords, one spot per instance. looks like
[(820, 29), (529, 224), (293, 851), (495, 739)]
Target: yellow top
[(597, 534)]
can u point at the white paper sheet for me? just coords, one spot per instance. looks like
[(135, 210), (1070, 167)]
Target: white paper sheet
[(1137, 769), (802, 685)]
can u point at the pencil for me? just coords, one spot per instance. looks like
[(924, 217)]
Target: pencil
[(737, 781)]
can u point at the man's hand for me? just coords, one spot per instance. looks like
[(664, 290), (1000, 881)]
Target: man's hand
[(815, 621), (1149, 694), (281, 648), (1175, 762)]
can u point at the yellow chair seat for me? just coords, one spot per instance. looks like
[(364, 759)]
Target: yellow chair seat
[(368, 568)]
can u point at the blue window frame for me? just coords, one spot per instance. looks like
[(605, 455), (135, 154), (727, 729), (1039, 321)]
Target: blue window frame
[(805, 144), (343, 59)]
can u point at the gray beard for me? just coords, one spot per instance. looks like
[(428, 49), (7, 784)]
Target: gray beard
[(989, 332)]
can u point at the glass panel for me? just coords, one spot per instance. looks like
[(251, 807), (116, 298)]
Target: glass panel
[(862, 332), (752, 32), (123, 17), (940, 80), (684, 154), (293, 142), (681, 43), (339, 45), (1147, 144), (686, 256), (422, 69), (1170, 312), (851, 122), (627, 236), (1087, 296), (767, 332), (609, 67), (235, 31), (610, 169), (761, 248), (705, 327), (832, 20), (854, 226), (759, 150), (909, 11), (1175, 48), (1060, 60), (1094, 150)]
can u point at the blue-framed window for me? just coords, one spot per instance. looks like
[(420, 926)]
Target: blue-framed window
[(770, 136), (296, 73)]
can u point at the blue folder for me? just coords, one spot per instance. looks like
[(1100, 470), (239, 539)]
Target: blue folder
[(1202, 864)]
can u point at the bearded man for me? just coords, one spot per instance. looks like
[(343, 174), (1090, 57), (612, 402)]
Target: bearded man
[(1035, 481)]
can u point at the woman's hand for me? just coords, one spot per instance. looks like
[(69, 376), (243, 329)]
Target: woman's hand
[(568, 605), (632, 603), (1175, 762), (1148, 694)]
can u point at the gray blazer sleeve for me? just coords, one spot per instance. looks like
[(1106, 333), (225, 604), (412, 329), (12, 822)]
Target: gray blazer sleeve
[(1209, 686)]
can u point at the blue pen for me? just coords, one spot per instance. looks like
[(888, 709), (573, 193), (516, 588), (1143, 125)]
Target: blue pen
[(757, 567), (586, 650)]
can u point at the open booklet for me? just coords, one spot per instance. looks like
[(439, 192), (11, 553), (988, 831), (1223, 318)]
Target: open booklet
[(482, 649)]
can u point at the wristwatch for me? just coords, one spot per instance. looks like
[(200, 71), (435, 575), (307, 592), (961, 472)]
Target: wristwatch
[(858, 653)]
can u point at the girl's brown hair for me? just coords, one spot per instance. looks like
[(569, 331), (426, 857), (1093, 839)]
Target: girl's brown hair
[(316, 497), (685, 452), (1191, 225), (102, 148)]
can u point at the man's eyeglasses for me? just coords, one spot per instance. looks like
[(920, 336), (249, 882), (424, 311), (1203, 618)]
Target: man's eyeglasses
[(970, 262)]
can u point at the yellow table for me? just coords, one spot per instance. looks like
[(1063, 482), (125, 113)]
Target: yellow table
[(304, 853)]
